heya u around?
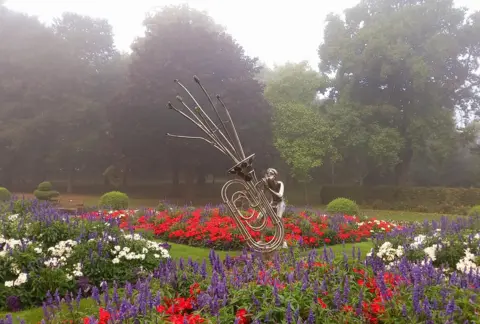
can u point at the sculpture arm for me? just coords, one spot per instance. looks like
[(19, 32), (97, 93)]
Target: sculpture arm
[(279, 194)]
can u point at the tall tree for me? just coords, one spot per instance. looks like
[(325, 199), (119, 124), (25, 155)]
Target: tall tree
[(33, 69), (416, 59), (98, 74), (179, 43), (301, 133)]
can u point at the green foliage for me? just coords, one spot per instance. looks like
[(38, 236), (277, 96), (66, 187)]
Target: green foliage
[(5, 194), (45, 191), (115, 200), (45, 186), (21, 206), (293, 82), (342, 206), (301, 136), (474, 211), (300, 133), (390, 55)]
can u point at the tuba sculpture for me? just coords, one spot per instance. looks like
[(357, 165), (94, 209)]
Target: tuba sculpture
[(251, 195)]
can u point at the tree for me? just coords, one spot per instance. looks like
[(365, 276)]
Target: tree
[(97, 76), (301, 134), (29, 55), (179, 43), (360, 144), (294, 82), (416, 59)]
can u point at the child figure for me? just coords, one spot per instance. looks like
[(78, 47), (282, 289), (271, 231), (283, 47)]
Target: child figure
[(276, 188)]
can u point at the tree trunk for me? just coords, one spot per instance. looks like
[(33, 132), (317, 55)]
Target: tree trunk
[(70, 180), (333, 172), (189, 186), (125, 174), (201, 177), (305, 192), (402, 169)]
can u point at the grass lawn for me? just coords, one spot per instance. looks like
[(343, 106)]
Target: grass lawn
[(399, 215), (178, 251)]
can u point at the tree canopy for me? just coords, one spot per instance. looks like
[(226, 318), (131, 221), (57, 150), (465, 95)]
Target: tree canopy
[(395, 99), (414, 62)]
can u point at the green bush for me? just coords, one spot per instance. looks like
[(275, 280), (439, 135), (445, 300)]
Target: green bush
[(475, 210), (45, 191), (115, 200), (342, 206), (5, 195), (45, 186), (21, 207)]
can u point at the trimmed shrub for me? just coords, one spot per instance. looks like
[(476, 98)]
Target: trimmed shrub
[(114, 199), (342, 206), (45, 191), (475, 210), (5, 195)]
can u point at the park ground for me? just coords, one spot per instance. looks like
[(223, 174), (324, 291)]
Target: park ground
[(196, 253)]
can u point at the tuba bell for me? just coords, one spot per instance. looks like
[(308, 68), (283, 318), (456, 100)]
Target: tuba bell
[(248, 203)]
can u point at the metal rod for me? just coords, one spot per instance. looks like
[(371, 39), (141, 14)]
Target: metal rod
[(239, 144), (206, 129), (197, 80), (207, 117), (199, 125), (198, 137)]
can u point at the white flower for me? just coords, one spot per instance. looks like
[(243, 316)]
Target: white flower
[(116, 260), (13, 217), (15, 269), (467, 263), (8, 283), (22, 278), (431, 251), (38, 250), (418, 240), (157, 256)]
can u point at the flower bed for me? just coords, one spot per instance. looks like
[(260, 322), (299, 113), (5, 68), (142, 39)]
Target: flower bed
[(452, 245), (214, 228), (389, 286), (288, 289), (43, 250)]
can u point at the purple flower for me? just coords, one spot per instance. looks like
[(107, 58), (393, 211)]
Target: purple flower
[(13, 303)]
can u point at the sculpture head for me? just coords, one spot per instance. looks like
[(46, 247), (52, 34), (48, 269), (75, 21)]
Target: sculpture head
[(271, 174)]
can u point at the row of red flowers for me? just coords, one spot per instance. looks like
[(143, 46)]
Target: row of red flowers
[(213, 228)]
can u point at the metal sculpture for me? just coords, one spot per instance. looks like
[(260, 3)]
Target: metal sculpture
[(257, 208)]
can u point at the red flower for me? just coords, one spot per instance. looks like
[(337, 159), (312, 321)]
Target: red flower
[(104, 316), (321, 303), (241, 315), (86, 320), (195, 289), (327, 240)]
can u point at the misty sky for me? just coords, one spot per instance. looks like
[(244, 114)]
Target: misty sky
[(275, 31)]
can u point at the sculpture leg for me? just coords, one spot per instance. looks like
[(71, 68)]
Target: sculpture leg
[(280, 209)]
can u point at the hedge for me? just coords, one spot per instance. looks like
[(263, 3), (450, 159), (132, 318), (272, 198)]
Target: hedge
[(421, 199)]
